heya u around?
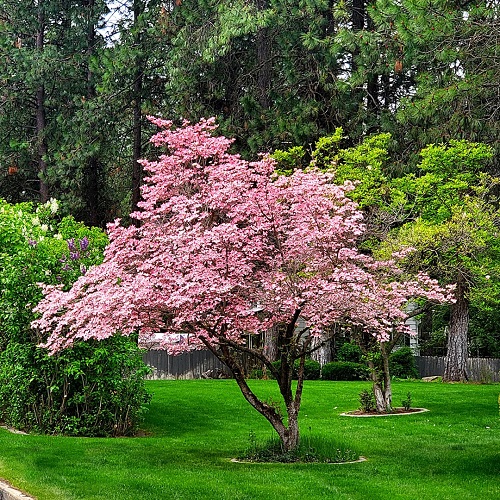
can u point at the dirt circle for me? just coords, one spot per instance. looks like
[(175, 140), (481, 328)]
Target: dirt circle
[(395, 411), (238, 461)]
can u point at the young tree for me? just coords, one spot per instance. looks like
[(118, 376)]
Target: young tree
[(225, 250), (377, 355)]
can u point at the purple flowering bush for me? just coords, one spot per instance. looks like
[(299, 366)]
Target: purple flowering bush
[(93, 389)]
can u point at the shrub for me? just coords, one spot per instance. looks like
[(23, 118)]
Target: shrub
[(344, 370), (367, 401), (406, 403), (256, 373), (350, 352), (289, 160), (92, 389), (402, 363), (312, 369)]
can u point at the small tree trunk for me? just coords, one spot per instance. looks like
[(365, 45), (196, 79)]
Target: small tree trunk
[(289, 433), (291, 437), (42, 143), (386, 377), (382, 388), (455, 369), (230, 354), (91, 185), (323, 353)]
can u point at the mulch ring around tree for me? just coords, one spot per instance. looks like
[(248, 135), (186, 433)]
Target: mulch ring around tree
[(395, 411), (242, 461)]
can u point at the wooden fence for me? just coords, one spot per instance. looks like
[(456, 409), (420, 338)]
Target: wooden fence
[(478, 369), (200, 364), (195, 364)]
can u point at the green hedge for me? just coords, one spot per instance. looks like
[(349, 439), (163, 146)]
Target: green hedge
[(312, 370), (350, 352), (402, 363), (344, 370)]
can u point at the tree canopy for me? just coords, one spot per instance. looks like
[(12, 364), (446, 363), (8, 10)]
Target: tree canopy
[(225, 250)]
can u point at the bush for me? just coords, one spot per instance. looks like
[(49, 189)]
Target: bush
[(350, 352), (95, 388), (256, 373), (92, 389), (312, 369), (402, 363), (367, 401), (344, 370)]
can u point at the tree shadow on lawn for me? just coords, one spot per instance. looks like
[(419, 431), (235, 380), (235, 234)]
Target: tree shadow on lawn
[(217, 413)]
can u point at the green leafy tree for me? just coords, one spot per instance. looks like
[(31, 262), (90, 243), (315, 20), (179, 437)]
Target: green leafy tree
[(446, 210), (455, 233), (267, 69), (86, 86), (46, 82), (436, 64)]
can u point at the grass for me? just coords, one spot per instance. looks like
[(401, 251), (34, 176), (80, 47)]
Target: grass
[(317, 449), (194, 428)]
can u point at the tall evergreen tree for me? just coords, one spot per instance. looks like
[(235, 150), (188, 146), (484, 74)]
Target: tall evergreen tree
[(439, 59), (45, 80)]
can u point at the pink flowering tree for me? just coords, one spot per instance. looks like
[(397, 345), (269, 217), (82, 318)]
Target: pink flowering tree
[(225, 250)]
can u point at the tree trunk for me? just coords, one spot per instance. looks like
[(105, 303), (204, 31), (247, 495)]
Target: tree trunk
[(372, 89), (137, 171), (270, 348), (230, 354), (382, 388), (40, 112), (289, 432), (455, 368), (323, 353), (358, 13), (264, 66), (91, 171)]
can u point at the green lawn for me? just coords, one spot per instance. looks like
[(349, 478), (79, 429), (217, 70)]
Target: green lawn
[(195, 427)]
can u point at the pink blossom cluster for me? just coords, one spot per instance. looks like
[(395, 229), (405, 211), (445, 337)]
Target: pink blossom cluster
[(221, 238)]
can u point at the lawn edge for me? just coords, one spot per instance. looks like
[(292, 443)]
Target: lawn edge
[(8, 492)]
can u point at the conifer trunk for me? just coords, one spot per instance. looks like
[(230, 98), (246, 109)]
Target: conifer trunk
[(91, 172), (455, 369), (40, 111), (264, 67), (137, 170)]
